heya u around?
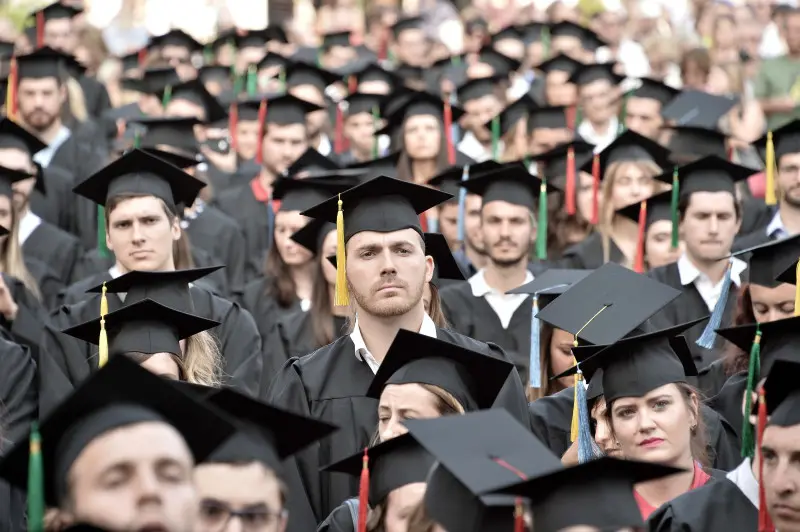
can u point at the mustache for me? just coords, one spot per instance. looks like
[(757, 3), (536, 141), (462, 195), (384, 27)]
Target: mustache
[(393, 281), (504, 241)]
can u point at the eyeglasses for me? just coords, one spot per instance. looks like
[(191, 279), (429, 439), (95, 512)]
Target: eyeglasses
[(216, 516)]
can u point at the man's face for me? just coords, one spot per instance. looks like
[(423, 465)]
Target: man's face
[(595, 99), (40, 102), (643, 116), (609, 26), (386, 272), (411, 47), (545, 139), (59, 34), (137, 477), (374, 86), (176, 56), (507, 232), (558, 91), (472, 223), (360, 131), (339, 56), (247, 138), (283, 145), (709, 225), (480, 111), (315, 120), (250, 488), (793, 33), (141, 235), (780, 449), (788, 178), (16, 159), (448, 224)]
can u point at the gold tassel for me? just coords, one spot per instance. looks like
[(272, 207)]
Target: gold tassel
[(341, 297), (102, 355), (769, 193), (103, 302), (797, 290)]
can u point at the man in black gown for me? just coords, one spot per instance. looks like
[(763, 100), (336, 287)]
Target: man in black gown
[(386, 270)]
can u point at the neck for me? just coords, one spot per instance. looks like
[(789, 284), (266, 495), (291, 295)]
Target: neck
[(657, 492), (505, 277), (24, 210), (361, 156), (169, 266), (379, 332), (600, 127), (301, 276), (266, 178), (625, 229), (478, 259), (336, 311), (48, 135), (790, 216), (315, 140), (423, 170), (714, 270)]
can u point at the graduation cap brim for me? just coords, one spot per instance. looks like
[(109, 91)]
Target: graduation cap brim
[(311, 158), (554, 163), (407, 23), (302, 194), (455, 173), (781, 393), (445, 265), (767, 261), (136, 278), (697, 108), (310, 236), (302, 73), (651, 89), (195, 92), (500, 63), (8, 177), (287, 109), (659, 207), (175, 38), (512, 184), (560, 63), (550, 279), (181, 160), (785, 139), (512, 114), (631, 146), (361, 102), (479, 87), (771, 332), (789, 275), (120, 382), (709, 174), (57, 10), (415, 104), (592, 72), (12, 135)]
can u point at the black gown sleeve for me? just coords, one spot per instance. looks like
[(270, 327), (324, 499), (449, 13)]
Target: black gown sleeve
[(241, 349), (340, 520), (512, 395), (551, 419)]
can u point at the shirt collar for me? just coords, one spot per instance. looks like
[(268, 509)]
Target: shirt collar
[(689, 273), (27, 225), (45, 156), (480, 288), (428, 328), (744, 479), (775, 228), (325, 147), (603, 139)]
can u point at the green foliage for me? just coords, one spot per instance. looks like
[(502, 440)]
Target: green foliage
[(18, 13)]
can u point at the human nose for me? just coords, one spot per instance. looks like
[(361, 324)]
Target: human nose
[(393, 429), (138, 233), (713, 225), (646, 422), (387, 266)]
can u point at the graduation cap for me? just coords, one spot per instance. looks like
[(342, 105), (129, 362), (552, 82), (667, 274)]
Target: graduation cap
[(383, 166), (145, 326), (560, 63), (535, 32), (589, 39), (382, 204), (131, 61), (174, 132), (8, 177), (417, 103), (302, 194), (414, 358), (336, 38), (311, 160), (214, 73), (174, 156), (509, 32), (586, 74), (555, 162), (153, 81), (361, 102), (44, 63), (137, 172), (374, 72), (444, 264), (777, 339), (688, 143), (300, 73), (409, 72), (782, 393), (597, 494), (195, 92), (12, 135), (6, 48), (250, 38), (697, 108), (647, 212), (512, 183), (478, 88), (774, 145), (273, 59), (500, 63), (178, 38), (511, 115), (554, 117), (652, 89), (312, 235), (450, 179), (287, 109), (264, 433), (407, 23), (57, 10), (392, 464), (768, 260), (629, 147), (709, 174), (121, 394)]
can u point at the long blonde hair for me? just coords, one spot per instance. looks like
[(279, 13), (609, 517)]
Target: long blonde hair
[(201, 362), (515, 142), (76, 100), (11, 258)]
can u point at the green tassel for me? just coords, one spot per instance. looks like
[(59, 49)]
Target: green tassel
[(237, 85), (252, 81), (578, 117), (496, 138), (167, 96), (455, 60), (36, 507), (541, 228), (101, 232), (375, 117), (546, 42), (676, 193), (623, 114), (137, 139), (282, 79), (753, 369), (208, 55)]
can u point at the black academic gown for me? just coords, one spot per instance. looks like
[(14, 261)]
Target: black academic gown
[(220, 237), (588, 254), (49, 284), (54, 247), (56, 204), (222, 181), (716, 507), (728, 402), (687, 307), (712, 378), (330, 384), (253, 218), (340, 520), (28, 326), (96, 96), (756, 215)]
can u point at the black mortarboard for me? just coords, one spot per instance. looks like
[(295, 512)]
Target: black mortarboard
[(300, 73), (415, 104), (509, 32), (383, 166), (43, 63), (555, 160), (547, 118), (250, 38), (789, 275), (409, 72), (374, 72), (551, 281), (154, 81), (560, 63), (601, 308), (12, 135), (119, 395), (168, 288), (692, 142), (513, 113), (214, 73), (782, 393), (478, 88), (287, 109), (597, 494), (767, 261), (57, 10), (175, 38), (444, 264), (264, 433), (785, 139), (590, 73), (143, 327), (407, 23), (130, 61), (628, 147), (392, 464), (697, 108), (659, 207), (500, 63), (534, 32), (273, 60), (709, 174), (174, 156), (414, 358), (311, 236), (302, 194), (336, 38), (382, 204), (171, 131), (652, 89), (450, 179), (8, 177), (312, 161), (589, 39), (512, 184), (136, 172), (779, 340), (195, 92), (361, 102)]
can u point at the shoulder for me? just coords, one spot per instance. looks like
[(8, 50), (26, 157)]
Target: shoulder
[(454, 290), (698, 509), (220, 218), (664, 272), (325, 354)]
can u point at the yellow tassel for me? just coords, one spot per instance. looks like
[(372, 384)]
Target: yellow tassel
[(797, 290), (341, 297), (769, 193), (103, 302), (102, 354)]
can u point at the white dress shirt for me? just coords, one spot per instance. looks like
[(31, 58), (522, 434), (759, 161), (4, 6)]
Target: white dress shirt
[(504, 305), (600, 140), (45, 156), (631, 55), (775, 229), (743, 477), (325, 147), (428, 328), (709, 291), (471, 147), (27, 225)]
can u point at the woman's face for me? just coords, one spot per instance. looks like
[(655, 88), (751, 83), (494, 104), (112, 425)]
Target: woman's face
[(328, 250), (656, 427), (288, 223), (163, 365), (771, 304), (718, 82), (422, 137), (5, 212), (585, 196), (561, 358), (658, 244), (603, 436), (631, 186), (400, 504), (400, 402)]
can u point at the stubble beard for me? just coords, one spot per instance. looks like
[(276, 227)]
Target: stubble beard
[(388, 309)]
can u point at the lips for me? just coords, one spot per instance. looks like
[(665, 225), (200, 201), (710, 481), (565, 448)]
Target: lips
[(651, 442)]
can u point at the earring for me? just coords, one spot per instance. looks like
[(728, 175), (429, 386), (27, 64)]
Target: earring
[(693, 430)]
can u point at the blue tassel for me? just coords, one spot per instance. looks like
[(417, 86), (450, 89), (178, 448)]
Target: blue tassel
[(433, 225), (706, 339), (535, 368), (586, 446), (462, 201)]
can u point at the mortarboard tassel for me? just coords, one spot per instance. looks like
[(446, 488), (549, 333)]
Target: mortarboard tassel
[(462, 202), (102, 353), (352, 84), (137, 139), (578, 117), (448, 132), (141, 57), (208, 55), (570, 188), (338, 132), (519, 515), (102, 247), (454, 128), (535, 367), (252, 81), (676, 195), (706, 339), (40, 29), (36, 507), (233, 120), (595, 189), (363, 494), (623, 114), (341, 297), (764, 520), (545, 37), (585, 448), (282, 79), (262, 117), (797, 290), (376, 116), (167, 96), (638, 262), (575, 426), (571, 116), (541, 227), (383, 48), (496, 138), (11, 91), (769, 193), (748, 440)]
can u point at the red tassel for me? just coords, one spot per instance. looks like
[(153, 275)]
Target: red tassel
[(363, 495), (262, 117), (448, 132), (595, 189), (233, 120), (764, 520), (142, 57), (352, 84), (730, 153), (570, 188), (338, 135), (638, 264), (519, 516), (39, 29), (383, 48), (11, 91), (572, 113)]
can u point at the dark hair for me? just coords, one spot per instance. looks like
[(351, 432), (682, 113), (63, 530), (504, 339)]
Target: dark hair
[(279, 283), (734, 358), (404, 163), (560, 224), (683, 205), (320, 311), (182, 252)]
